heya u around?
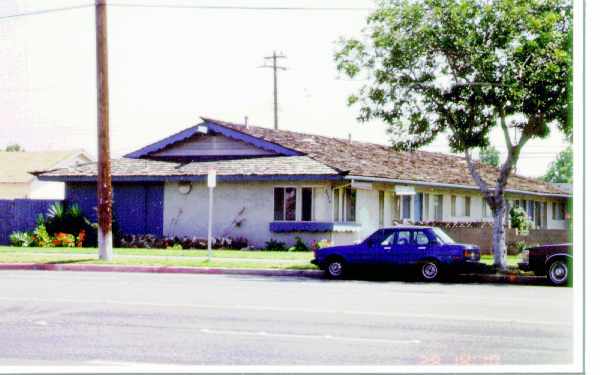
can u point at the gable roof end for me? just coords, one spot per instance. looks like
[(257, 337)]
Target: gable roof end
[(212, 126)]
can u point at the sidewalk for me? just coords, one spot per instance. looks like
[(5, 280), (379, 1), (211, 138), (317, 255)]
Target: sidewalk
[(462, 278)]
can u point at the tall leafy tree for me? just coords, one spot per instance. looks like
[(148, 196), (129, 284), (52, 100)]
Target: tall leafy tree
[(490, 156), (463, 68), (561, 169)]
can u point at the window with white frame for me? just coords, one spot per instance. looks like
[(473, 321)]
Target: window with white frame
[(286, 199), (467, 206), (485, 209), (344, 205), (381, 207), (406, 206), (438, 207)]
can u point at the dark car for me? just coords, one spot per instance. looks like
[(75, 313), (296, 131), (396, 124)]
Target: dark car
[(553, 261), (430, 250)]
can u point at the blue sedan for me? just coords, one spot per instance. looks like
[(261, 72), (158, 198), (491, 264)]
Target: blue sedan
[(429, 249)]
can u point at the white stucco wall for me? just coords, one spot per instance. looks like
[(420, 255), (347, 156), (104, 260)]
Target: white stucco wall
[(250, 204)]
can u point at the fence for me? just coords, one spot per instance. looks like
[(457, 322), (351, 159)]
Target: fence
[(19, 215), (482, 237)]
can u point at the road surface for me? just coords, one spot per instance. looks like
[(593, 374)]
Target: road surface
[(77, 318)]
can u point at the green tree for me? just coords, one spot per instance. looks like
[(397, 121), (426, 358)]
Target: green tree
[(14, 148), (490, 156), (463, 68), (561, 169)]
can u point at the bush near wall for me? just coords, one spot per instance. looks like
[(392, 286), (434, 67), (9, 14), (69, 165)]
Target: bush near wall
[(150, 241)]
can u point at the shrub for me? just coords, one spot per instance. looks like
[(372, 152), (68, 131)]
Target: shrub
[(238, 243), (519, 220), (71, 221), (321, 244), (299, 245), (274, 245), (41, 238), (21, 239), (64, 240)]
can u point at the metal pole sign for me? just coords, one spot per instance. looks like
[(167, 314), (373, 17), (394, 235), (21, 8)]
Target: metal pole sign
[(211, 181)]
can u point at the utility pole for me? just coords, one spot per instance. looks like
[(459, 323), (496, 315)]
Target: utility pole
[(275, 67), (104, 184)]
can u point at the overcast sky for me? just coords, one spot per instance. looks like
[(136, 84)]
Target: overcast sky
[(168, 66)]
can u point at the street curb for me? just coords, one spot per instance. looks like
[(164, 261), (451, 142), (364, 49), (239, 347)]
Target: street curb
[(468, 278), (158, 269)]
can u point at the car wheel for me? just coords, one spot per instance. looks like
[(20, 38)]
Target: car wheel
[(335, 268), (430, 270), (558, 272)]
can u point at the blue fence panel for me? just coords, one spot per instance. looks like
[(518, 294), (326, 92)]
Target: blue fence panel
[(20, 215)]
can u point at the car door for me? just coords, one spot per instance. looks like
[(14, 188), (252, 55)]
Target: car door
[(402, 248), (380, 247), (420, 246)]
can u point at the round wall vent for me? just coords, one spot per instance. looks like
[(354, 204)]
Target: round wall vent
[(184, 187)]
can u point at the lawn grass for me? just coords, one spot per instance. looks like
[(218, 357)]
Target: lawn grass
[(242, 254), (512, 260), (58, 258)]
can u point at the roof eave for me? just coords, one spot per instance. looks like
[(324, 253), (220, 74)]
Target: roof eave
[(171, 178), (447, 185)]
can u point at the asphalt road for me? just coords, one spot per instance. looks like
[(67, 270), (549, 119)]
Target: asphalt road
[(68, 318)]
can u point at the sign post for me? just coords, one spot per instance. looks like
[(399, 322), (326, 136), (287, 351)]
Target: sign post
[(211, 181)]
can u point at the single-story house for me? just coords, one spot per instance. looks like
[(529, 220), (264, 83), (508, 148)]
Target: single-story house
[(17, 183), (276, 184)]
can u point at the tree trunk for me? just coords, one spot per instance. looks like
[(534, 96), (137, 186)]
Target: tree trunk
[(499, 234)]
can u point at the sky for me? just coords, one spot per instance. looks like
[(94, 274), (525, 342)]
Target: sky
[(170, 65)]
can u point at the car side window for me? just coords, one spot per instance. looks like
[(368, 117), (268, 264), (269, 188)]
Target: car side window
[(388, 239), (403, 238), (421, 238)]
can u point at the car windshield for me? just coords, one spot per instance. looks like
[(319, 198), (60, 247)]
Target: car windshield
[(442, 236)]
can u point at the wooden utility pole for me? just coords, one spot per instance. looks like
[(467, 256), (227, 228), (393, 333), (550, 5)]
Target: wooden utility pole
[(104, 184), (275, 68)]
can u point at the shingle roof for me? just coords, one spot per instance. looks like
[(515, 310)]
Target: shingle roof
[(375, 160), (268, 166), (15, 166)]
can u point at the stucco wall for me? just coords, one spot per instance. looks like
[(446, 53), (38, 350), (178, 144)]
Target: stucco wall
[(240, 210)]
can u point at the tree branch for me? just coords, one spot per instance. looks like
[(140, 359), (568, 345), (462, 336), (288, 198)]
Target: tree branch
[(483, 186)]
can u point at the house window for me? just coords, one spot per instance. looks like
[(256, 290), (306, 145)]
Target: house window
[(307, 204), (453, 205), (285, 203), (406, 205), (467, 206), (425, 206), (485, 209), (438, 207), (350, 205), (336, 205), (344, 205), (381, 207)]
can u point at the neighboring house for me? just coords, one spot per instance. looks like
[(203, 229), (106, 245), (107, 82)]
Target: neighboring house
[(17, 183), (281, 184)]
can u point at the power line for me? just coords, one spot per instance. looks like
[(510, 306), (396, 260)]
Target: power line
[(44, 11)]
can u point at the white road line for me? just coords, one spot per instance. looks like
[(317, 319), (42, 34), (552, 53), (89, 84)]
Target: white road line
[(293, 309)]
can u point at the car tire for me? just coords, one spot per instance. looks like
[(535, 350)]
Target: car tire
[(558, 272), (335, 268), (429, 270)]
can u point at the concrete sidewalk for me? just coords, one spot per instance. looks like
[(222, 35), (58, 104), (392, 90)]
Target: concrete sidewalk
[(461, 278)]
